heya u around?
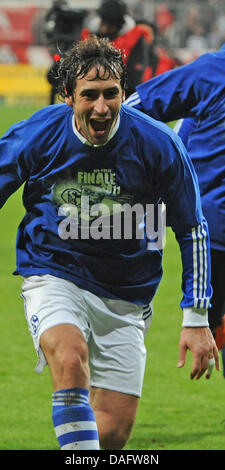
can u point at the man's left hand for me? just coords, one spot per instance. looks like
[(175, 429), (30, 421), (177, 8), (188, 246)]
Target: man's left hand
[(201, 343)]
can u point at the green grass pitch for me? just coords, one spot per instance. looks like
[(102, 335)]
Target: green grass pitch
[(175, 413)]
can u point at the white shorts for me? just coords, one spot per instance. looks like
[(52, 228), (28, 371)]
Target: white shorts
[(113, 329)]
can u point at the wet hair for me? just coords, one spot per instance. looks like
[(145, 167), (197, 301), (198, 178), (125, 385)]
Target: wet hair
[(85, 55)]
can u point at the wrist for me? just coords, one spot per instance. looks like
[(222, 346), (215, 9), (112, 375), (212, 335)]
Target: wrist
[(195, 317)]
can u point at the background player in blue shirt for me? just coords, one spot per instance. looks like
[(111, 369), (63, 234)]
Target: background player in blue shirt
[(197, 92), (94, 168)]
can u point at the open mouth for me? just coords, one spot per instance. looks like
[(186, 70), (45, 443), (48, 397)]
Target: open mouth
[(99, 125)]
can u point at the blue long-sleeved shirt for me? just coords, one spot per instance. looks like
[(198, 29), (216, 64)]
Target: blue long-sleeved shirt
[(73, 190)]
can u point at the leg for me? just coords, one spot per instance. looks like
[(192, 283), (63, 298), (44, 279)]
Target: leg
[(217, 311), (115, 334), (115, 415), (56, 317), (66, 352), (117, 364)]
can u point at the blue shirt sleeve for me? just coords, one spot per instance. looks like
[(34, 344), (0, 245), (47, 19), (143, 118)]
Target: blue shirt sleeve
[(176, 94), (184, 215), (13, 166)]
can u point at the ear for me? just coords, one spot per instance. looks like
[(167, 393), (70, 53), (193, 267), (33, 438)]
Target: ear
[(123, 96), (68, 100)]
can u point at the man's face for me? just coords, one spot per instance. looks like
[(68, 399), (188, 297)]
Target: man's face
[(96, 105)]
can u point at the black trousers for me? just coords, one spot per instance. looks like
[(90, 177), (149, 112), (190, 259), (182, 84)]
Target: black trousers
[(218, 284)]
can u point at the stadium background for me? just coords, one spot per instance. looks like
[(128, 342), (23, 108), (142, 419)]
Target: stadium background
[(174, 413), (187, 28)]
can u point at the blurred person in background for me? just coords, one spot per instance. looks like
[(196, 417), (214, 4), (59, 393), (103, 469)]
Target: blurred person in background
[(160, 58), (196, 91), (145, 55), (61, 28), (135, 39)]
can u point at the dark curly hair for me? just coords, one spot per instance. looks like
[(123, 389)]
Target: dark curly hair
[(85, 55)]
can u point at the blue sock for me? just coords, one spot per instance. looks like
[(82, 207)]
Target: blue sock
[(74, 420)]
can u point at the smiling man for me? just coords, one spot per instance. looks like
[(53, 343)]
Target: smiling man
[(88, 300), (96, 101)]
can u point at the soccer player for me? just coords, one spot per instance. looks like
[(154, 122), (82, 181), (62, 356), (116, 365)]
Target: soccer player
[(93, 169), (196, 92)]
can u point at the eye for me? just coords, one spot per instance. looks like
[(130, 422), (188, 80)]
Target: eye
[(111, 93), (89, 94)]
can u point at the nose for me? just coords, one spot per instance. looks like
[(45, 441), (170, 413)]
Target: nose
[(101, 106)]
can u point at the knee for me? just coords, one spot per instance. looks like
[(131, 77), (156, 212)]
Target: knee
[(71, 360), (71, 369)]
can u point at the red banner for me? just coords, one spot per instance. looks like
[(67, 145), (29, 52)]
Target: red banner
[(16, 33)]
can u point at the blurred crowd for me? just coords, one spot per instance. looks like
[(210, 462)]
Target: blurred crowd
[(195, 25), (184, 29), (144, 55), (155, 36)]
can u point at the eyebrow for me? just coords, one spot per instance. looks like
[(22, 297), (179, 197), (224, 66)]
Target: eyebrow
[(113, 89)]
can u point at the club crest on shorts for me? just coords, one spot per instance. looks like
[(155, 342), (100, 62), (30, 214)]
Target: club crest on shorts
[(34, 322)]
